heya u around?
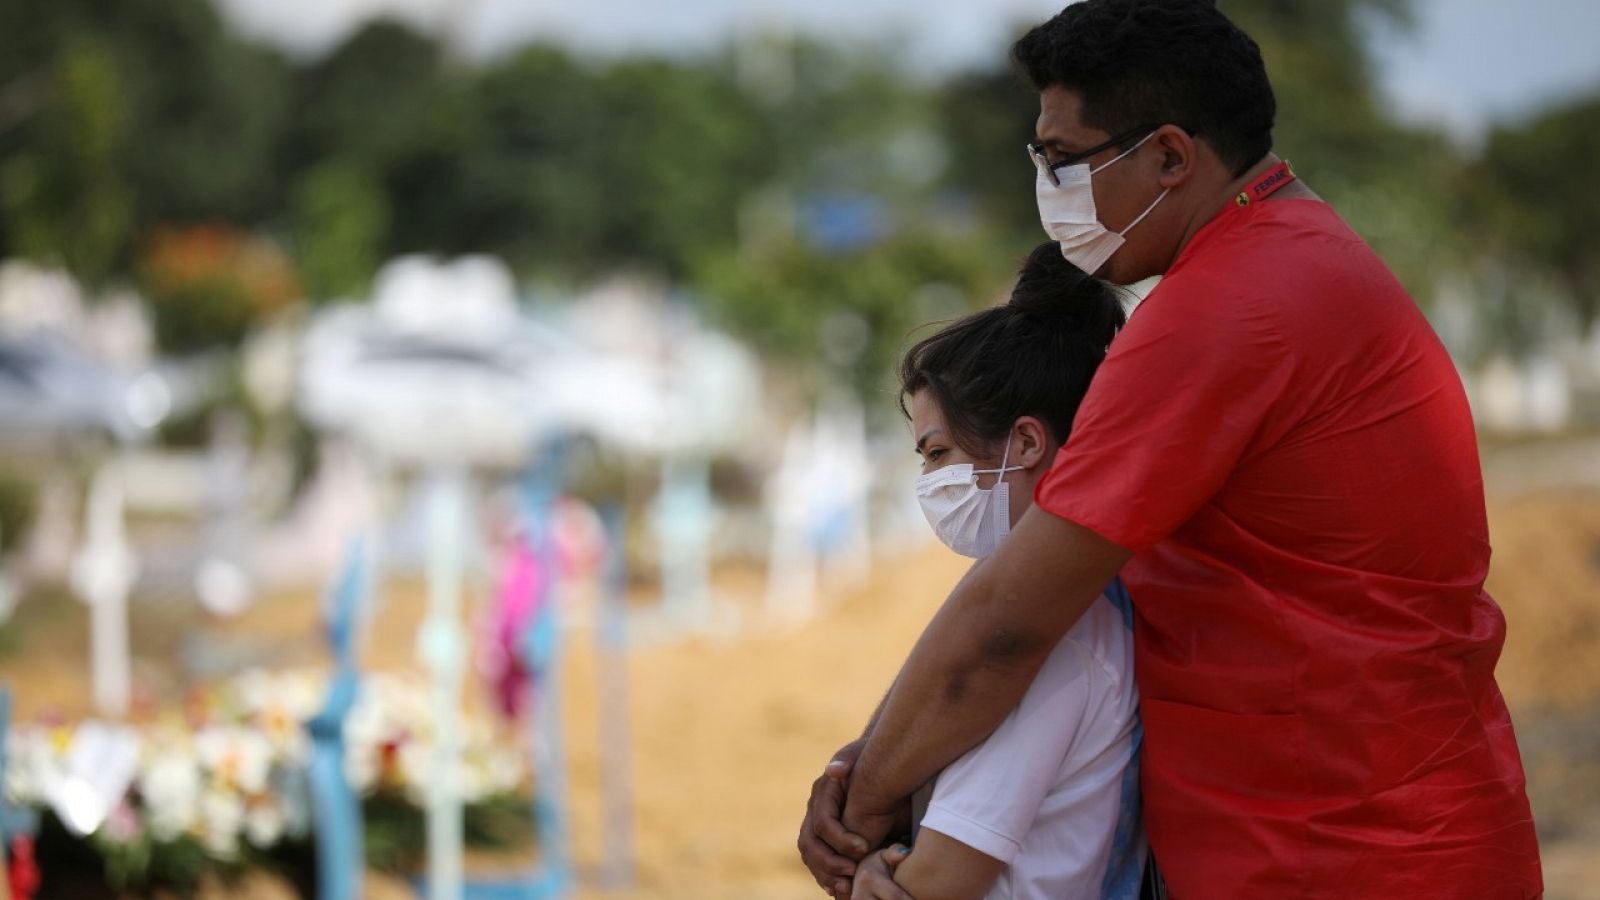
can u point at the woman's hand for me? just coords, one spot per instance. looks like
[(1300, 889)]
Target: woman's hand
[(875, 876)]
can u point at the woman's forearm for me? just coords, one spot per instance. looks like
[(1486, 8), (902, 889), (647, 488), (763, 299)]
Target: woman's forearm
[(943, 868)]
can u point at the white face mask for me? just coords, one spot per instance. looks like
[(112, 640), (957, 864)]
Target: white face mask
[(1068, 213), (968, 520)]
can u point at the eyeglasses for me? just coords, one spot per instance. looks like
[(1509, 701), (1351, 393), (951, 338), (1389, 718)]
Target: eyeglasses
[(1041, 159)]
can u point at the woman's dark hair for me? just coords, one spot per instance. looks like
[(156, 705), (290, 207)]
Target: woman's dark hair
[(1158, 62), (1031, 356)]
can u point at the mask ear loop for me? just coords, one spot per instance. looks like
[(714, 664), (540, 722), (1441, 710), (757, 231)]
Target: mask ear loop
[(1098, 169), (1147, 211), (1000, 473), (1002, 511)]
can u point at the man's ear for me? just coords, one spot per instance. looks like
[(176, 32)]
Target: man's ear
[(1179, 152), (1030, 442)]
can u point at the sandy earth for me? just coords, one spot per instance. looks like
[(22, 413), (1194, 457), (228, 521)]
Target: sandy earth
[(727, 734), (730, 736)]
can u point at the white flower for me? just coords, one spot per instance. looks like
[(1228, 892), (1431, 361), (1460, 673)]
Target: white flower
[(170, 786), (278, 704), (488, 769), (506, 766), (361, 770), (365, 734), (235, 757), (221, 816), (265, 822), (416, 770), (33, 763), (253, 690), (474, 778)]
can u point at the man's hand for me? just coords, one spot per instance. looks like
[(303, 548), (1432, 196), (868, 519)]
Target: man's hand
[(827, 849), (874, 819), (875, 876)]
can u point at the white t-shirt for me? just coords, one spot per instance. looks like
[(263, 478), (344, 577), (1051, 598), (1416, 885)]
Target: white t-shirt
[(1054, 792)]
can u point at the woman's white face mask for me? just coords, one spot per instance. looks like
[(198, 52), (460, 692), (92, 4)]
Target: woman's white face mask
[(969, 520)]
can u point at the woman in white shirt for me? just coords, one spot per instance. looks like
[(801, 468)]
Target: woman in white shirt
[(1047, 808)]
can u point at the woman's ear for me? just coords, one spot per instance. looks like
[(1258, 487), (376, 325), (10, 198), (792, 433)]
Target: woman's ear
[(1030, 442)]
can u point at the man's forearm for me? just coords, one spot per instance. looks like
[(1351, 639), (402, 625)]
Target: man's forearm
[(877, 714), (950, 696), (882, 704), (979, 654)]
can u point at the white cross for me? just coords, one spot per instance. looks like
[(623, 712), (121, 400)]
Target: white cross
[(103, 572), (440, 645)]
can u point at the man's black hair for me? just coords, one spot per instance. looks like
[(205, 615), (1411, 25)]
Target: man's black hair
[(1150, 62)]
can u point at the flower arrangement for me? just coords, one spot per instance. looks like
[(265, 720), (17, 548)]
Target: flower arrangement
[(222, 787)]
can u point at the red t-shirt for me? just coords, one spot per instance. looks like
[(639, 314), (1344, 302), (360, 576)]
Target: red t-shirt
[(1283, 443)]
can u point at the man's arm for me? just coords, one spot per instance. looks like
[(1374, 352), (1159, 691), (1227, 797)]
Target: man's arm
[(976, 659), (827, 849), (872, 721)]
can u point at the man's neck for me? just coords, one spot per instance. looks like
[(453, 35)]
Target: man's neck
[(1294, 190), (1220, 199)]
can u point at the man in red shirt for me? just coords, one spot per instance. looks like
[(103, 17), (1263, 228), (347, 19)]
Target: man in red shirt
[(1278, 456)]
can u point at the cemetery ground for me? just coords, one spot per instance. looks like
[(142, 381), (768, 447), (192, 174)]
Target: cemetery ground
[(729, 730)]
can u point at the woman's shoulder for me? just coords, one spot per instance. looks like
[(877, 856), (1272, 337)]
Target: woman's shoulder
[(1102, 639)]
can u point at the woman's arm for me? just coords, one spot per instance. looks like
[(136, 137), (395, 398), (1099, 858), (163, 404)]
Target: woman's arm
[(939, 868), (943, 868)]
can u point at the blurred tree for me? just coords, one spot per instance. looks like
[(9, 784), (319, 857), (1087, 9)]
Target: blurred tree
[(207, 113), (987, 120), (845, 317), (62, 193), (680, 144), (857, 123), (1520, 201), (529, 185), (384, 125), (19, 502), (641, 161), (340, 227), (116, 117), (807, 190), (848, 238), (370, 100)]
